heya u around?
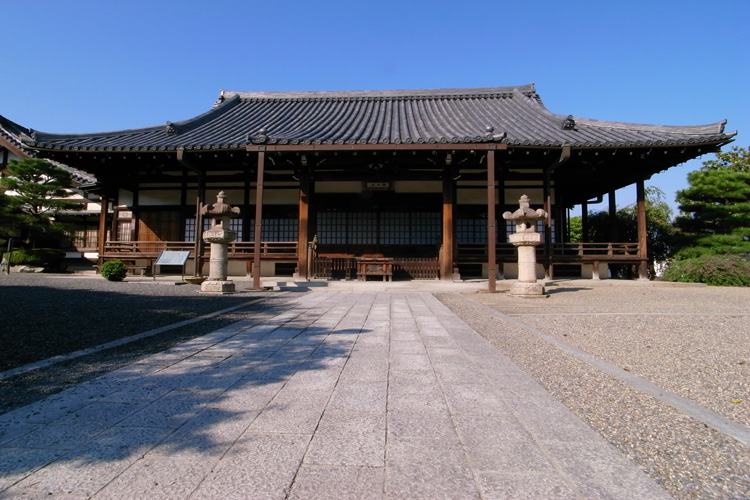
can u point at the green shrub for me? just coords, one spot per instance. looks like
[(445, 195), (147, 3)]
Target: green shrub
[(114, 270), (716, 270), (49, 258)]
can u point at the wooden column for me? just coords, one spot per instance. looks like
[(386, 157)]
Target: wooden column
[(613, 233), (102, 228), (491, 224), (449, 205), (584, 221), (547, 189), (258, 220), (303, 233), (642, 230)]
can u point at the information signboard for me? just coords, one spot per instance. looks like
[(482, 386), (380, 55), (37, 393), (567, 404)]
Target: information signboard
[(172, 258)]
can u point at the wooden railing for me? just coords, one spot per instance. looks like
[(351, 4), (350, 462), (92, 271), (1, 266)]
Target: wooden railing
[(595, 251), (235, 249), (345, 267), (477, 252)]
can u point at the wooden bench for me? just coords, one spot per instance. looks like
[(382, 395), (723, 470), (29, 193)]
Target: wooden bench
[(374, 266)]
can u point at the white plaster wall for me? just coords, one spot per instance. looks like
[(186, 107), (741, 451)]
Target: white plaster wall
[(510, 271), (234, 268), (338, 187), (587, 271), (472, 196), (278, 197), (418, 186), (125, 198), (233, 196), (536, 196), (158, 197)]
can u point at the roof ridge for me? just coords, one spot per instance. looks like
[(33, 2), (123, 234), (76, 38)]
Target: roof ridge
[(717, 127), (382, 94)]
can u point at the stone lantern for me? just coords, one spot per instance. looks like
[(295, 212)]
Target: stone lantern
[(219, 236), (526, 239)]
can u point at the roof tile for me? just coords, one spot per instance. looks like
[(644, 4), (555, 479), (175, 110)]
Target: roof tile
[(383, 117)]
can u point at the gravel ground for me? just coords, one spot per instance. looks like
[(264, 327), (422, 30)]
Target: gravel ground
[(47, 315), (693, 341)]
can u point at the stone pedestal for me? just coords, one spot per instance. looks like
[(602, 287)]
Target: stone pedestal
[(219, 238), (526, 239), (217, 286)]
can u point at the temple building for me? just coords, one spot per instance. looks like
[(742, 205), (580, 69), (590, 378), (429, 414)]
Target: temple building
[(412, 178)]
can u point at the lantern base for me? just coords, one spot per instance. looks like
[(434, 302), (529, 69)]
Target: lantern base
[(531, 290), (217, 286)]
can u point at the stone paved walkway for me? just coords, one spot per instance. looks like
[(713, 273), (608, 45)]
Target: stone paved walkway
[(335, 395)]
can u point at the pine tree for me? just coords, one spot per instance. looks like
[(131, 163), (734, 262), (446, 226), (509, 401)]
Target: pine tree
[(716, 207), (37, 191), (715, 223)]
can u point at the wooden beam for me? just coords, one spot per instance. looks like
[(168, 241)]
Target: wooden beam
[(613, 233), (377, 147), (449, 206), (584, 222), (491, 223), (303, 233), (258, 220), (642, 230), (102, 227), (4, 143), (547, 203)]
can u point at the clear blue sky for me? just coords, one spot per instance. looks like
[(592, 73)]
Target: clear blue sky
[(91, 65)]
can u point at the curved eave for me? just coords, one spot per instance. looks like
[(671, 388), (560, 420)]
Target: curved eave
[(152, 139)]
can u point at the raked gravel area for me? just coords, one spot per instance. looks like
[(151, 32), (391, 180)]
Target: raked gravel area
[(690, 341)]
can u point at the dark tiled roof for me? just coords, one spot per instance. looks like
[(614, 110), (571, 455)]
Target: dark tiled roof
[(513, 115), (80, 177), (15, 134)]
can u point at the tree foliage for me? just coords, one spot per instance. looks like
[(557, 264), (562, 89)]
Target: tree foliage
[(660, 233), (715, 223), (37, 191), (717, 270), (716, 206)]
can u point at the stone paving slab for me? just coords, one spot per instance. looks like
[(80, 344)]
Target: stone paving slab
[(382, 395)]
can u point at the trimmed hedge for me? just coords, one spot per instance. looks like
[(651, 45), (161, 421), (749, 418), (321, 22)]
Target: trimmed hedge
[(113, 270), (716, 270), (49, 258)]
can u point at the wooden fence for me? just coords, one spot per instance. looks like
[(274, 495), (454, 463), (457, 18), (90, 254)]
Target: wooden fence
[(403, 268)]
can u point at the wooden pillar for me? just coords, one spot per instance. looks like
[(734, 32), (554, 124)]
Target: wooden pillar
[(449, 206), (584, 221), (547, 188), (200, 245), (642, 230), (501, 228), (102, 227), (258, 220), (303, 232), (613, 233), (491, 223), (561, 216)]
